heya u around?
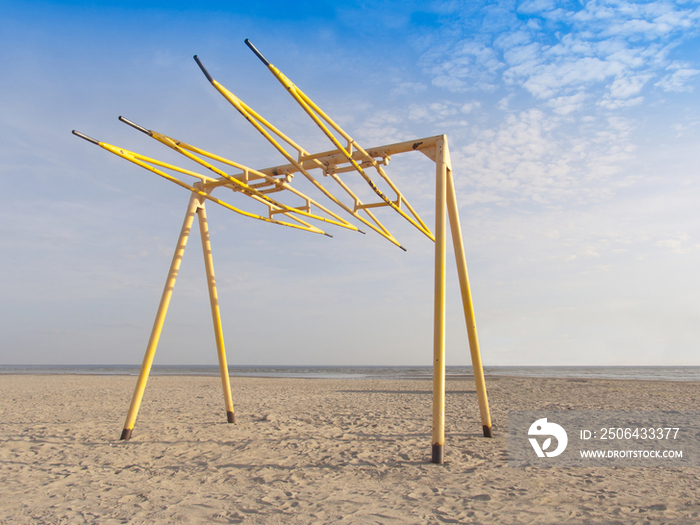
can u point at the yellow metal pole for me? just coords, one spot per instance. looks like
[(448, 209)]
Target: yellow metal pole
[(238, 185), (317, 115), (215, 313), (143, 161), (438, 450), (160, 319), (252, 117), (461, 260)]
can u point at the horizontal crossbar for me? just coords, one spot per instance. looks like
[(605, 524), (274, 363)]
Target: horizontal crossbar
[(333, 157)]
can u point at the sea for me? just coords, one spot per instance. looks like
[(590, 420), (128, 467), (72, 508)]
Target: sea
[(644, 373)]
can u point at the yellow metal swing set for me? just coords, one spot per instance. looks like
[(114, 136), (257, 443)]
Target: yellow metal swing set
[(261, 185)]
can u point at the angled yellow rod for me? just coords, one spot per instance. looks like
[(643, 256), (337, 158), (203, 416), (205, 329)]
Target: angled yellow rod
[(240, 185), (202, 178), (269, 178), (277, 183), (314, 111), (160, 316), (359, 205), (261, 126), (128, 155), (143, 162), (251, 116), (310, 107), (458, 242), (215, 312)]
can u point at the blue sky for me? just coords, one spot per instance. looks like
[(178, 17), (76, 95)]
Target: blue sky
[(573, 129)]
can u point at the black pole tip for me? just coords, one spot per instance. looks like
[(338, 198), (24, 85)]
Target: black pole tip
[(85, 137), (204, 70), (404, 249), (136, 126), (438, 455), (126, 433), (487, 431), (230, 417), (363, 233), (327, 235), (257, 53)]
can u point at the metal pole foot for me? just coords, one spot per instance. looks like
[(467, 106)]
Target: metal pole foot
[(488, 433), (438, 454), (126, 433), (230, 417)]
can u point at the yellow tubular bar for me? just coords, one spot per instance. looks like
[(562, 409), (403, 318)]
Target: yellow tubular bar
[(268, 125), (215, 312), (266, 177), (358, 205), (423, 227), (458, 242), (139, 160), (243, 109), (314, 111), (245, 188), (282, 184), (138, 156), (167, 294), (439, 308)]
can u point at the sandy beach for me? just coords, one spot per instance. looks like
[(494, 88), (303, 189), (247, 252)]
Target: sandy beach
[(314, 451)]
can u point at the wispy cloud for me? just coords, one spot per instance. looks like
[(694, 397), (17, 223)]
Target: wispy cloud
[(563, 74), (677, 78), (530, 157), (552, 51), (677, 244)]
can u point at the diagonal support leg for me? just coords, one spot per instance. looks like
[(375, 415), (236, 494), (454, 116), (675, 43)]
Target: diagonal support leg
[(160, 319), (458, 242), (215, 313)]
